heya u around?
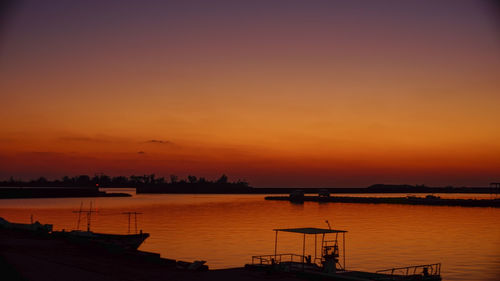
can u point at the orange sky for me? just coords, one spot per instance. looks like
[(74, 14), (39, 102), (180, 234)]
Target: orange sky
[(291, 94)]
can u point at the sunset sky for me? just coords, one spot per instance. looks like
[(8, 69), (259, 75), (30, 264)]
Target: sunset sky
[(279, 93)]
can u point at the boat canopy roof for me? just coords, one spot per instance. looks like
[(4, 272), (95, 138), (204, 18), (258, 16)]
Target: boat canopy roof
[(310, 230)]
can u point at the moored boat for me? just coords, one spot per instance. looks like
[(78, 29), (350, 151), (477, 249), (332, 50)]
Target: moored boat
[(124, 241)]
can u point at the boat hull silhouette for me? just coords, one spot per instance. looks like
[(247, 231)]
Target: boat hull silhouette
[(124, 241)]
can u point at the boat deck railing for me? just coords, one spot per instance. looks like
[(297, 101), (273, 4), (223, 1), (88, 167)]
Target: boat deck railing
[(425, 269), (278, 258)]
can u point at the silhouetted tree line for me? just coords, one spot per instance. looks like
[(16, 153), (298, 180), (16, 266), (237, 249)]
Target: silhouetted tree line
[(193, 184), (102, 180)]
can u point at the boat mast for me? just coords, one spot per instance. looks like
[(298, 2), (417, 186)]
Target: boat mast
[(135, 220), (79, 216), (88, 214)]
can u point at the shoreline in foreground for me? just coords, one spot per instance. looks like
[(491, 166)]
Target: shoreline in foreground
[(27, 256)]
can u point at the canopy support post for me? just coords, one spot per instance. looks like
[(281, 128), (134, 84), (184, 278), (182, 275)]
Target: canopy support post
[(343, 247), (275, 245), (315, 247), (303, 250)]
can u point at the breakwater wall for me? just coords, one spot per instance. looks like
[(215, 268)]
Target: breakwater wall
[(410, 200)]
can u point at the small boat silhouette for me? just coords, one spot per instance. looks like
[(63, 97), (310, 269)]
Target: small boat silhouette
[(123, 241)]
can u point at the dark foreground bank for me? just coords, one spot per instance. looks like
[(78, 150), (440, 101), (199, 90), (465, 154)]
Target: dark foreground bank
[(27, 256)]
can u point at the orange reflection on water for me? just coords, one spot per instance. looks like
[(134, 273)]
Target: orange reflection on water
[(226, 230)]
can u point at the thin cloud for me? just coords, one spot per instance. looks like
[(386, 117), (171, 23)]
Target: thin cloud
[(82, 139), (45, 153), (159, 141)]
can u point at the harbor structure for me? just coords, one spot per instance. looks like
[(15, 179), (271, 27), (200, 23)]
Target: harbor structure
[(329, 260)]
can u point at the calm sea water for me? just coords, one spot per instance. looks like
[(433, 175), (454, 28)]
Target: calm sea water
[(226, 230)]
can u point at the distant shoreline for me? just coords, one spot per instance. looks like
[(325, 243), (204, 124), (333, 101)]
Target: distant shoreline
[(86, 186), (284, 190), (54, 192), (224, 188), (378, 188)]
